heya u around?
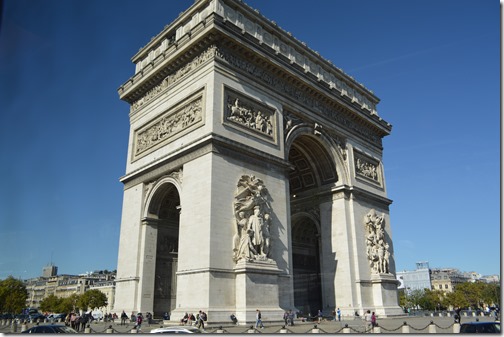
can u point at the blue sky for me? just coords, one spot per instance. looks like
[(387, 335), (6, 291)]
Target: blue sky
[(434, 64)]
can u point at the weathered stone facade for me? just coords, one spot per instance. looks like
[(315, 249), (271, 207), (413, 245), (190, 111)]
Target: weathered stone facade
[(254, 176)]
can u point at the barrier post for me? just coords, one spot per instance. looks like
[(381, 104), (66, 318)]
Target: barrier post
[(24, 327), (251, 329), (14, 327), (315, 329), (87, 329), (283, 329), (456, 328), (346, 329), (405, 328), (109, 329), (219, 330), (134, 330), (432, 327)]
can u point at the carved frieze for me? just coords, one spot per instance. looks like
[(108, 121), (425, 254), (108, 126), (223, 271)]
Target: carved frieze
[(176, 76), (333, 113), (248, 114), (367, 168), (170, 125)]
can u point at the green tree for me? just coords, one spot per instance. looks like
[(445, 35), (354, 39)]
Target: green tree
[(13, 295), (69, 304), (92, 299), (51, 303)]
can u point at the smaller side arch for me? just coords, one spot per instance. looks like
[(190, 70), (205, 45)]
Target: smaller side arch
[(156, 192)]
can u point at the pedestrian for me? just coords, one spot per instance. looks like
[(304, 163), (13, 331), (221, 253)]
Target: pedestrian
[(258, 319), (373, 320), (201, 320), (457, 315), (291, 318), (338, 312), (367, 319), (286, 318), (124, 317), (319, 316), (166, 317), (139, 320)]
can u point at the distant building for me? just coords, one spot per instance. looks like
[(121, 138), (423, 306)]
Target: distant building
[(67, 285), (447, 279), (415, 280), (50, 270)]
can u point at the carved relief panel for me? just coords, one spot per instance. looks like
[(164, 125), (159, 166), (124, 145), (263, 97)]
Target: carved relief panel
[(367, 168), (249, 115), (170, 125)]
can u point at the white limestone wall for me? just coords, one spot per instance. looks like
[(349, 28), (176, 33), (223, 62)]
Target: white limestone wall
[(130, 254), (200, 81)]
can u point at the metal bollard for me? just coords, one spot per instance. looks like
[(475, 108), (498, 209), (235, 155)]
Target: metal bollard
[(219, 330), (405, 328), (251, 330), (134, 330), (87, 329), (432, 327), (24, 327), (456, 328), (14, 327), (377, 329), (109, 329), (346, 329), (315, 329)]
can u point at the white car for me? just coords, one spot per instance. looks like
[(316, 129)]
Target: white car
[(177, 329)]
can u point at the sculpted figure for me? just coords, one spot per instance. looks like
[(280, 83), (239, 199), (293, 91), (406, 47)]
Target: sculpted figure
[(255, 224)]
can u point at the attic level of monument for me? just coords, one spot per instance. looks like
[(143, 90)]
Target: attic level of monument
[(213, 22)]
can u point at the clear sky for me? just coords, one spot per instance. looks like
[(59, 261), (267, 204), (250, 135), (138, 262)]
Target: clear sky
[(434, 64)]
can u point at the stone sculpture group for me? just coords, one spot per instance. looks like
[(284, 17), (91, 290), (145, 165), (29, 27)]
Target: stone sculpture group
[(377, 246), (253, 220)]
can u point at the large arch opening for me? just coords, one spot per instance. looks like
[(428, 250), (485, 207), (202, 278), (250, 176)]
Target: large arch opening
[(165, 206), (313, 168)]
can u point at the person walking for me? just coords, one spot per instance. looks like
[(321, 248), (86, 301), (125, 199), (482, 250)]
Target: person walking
[(338, 312), (201, 320), (124, 317), (367, 319), (139, 321), (319, 316), (259, 319), (373, 321)]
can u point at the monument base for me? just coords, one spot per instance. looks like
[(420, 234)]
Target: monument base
[(385, 295), (256, 286)]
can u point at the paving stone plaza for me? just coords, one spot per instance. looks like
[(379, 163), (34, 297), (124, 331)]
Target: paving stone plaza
[(414, 324)]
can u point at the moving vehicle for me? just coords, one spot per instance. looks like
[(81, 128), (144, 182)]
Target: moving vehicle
[(50, 328), (480, 327), (177, 329)]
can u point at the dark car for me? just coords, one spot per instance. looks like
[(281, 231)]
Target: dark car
[(480, 327), (37, 317), (51, 328)]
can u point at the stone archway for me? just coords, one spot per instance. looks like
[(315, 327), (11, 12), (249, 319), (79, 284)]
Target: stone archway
[(164, 210), (314, 168), (306, 264)]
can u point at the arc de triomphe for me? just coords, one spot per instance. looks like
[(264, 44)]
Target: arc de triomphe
[(254, 177)]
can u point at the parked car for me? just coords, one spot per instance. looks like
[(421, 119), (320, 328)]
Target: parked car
[(50, 328), (177, 329), (480, 327)]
